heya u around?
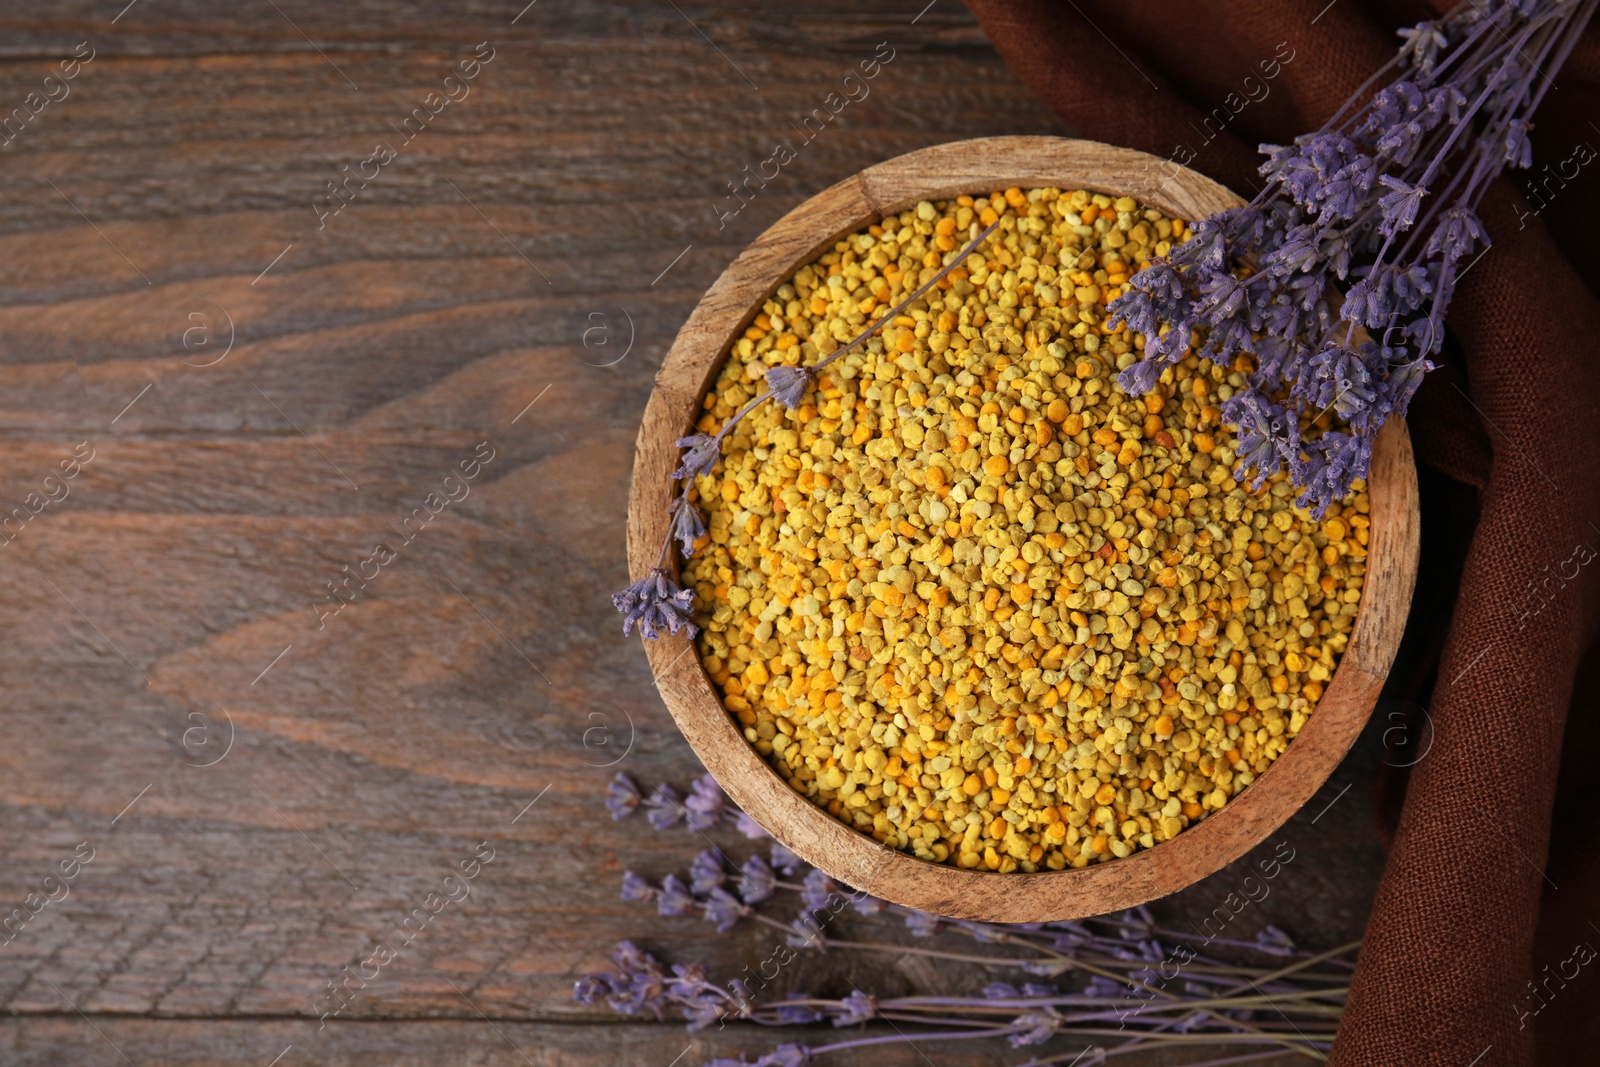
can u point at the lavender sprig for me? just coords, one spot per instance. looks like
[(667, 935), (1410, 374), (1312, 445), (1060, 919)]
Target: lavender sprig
[(1124, 999), (657, 600), (1382, 200)]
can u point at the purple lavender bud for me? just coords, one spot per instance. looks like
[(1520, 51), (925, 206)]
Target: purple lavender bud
[(858, 1008), (663, 807), (1458, 234), (637, 986), (869, 905), (1001, 991), (1331, 462), (1037, 1027), (1135, 308), (689, 979), (635, 887), (1274, 942), (983, 933), (701, 452), (1169, 347), (922, 924), (1410, 286), (674, 898), (1268, 438), (630, 957), (588, 989), (1141, 378), (749, 827), (622, 796), (1423, 43), (1107, 988), (704, 805), (1400, 206), (1300, 252), (790, 385), (785, 861), (1204, 249), (786, 1056), (687, 524), (1366, 302), (806, 932), (1518, 149), (1403, 382), (705, 872), (1347, 188), (1338, 378), (1221, 296), (724, 909), (797, 1014), (756, 881), (703, 1011), (655, 602), (817, 890), (1067, 942)]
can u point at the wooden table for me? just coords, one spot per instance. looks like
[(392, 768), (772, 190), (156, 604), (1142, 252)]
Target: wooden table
[(267, 389)]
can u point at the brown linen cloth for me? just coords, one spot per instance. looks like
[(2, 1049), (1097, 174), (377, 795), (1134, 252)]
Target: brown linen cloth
[(1481, 947)]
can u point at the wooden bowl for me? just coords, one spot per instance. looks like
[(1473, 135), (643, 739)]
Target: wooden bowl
[(940, 173)]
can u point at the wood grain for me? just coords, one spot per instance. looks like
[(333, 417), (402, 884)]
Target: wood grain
[(941, 172), (470, 677)]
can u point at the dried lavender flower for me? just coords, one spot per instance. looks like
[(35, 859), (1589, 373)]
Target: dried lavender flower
[(1382, 201), (1274, 942), (790, 385), (635, 887), (1213, 1001), (724, 909), (622, 796), (817, 890), (858, 1008), (756, 881), (663, 807), (797, 1014), (703, 807), (1036, 1027), (785, 860), (655, 602), (701, 451), (705, 872), (868, 905), (688, 525), (674, 897), (786, 1056)]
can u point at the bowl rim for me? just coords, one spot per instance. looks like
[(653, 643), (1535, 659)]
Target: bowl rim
[(942, 172)]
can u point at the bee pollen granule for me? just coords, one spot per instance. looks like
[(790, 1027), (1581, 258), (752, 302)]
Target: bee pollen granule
[(970, 597)]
